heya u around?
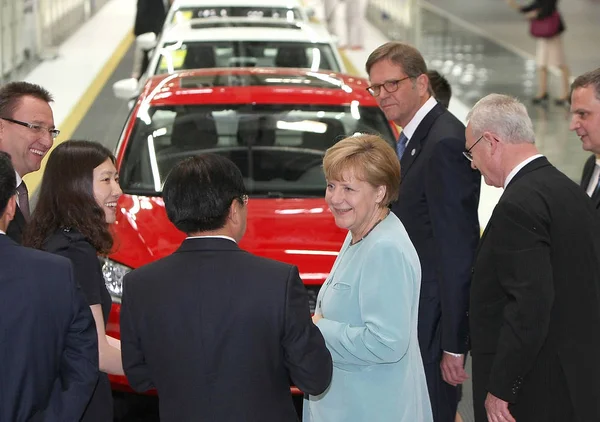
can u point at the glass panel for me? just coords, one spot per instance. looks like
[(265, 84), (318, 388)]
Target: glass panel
[(188, 13), (279, 148), (201, 55)]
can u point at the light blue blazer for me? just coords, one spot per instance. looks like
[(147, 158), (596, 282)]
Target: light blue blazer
[(369, 305)]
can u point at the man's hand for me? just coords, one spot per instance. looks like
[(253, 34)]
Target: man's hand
[(497, 409), (453, 370)]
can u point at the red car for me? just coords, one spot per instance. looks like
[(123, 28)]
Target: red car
[(275, 124)]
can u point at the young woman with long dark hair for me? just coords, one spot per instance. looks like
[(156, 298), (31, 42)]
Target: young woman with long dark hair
[(77, 203)]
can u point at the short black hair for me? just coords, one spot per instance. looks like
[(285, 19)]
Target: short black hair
[(199, 191), (8, 181), (442, 91), (11, 94)]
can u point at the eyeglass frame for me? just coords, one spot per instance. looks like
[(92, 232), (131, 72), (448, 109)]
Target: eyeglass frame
[(396, 83), (37, 128), (467, 153)]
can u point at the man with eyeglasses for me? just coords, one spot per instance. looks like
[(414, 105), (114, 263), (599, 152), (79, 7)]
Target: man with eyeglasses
[(438, 201), (26, 132), (535, 294)]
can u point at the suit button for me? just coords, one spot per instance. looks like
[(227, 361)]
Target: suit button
[(472, 270)]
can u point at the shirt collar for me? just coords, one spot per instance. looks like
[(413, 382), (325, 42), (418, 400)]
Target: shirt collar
[(523, 163), (414, 123), (1, 232), (212, 237), (19, 179)]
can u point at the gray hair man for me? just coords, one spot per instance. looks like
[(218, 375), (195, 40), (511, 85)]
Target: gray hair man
[(535, 294)]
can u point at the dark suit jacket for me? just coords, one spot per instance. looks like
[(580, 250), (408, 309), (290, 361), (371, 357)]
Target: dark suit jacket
[(535, 298), (586, 175), (220, 333), (17, 226), (439, 196), (49, 344)]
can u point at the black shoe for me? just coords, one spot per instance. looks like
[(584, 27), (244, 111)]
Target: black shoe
[(540, 100), (562, 101)]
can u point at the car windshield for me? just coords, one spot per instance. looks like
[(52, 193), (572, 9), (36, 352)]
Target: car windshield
[(200, 55), (278, 148), (189, 13)]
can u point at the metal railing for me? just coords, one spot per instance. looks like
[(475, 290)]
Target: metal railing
[(31, 30)]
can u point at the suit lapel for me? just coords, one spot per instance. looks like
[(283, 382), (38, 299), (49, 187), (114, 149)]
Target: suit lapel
[(588, 170), (417, 141)]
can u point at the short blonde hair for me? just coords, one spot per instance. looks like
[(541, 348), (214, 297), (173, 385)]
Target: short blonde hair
[(371, 158)]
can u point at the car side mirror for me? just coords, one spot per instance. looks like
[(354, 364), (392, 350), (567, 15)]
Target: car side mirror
[(146, 41), (126, 89)]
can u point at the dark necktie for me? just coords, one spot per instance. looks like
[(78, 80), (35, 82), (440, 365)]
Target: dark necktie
[(23, 200), (596, 193), (401, 145)]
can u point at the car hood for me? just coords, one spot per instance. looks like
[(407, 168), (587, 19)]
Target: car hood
[(298, 231)]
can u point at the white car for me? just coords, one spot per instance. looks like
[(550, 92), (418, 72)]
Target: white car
[(210, 43), (183, 10)]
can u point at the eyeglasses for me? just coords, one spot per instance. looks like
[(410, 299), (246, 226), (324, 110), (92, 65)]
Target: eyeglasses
[(389, 86), (36, 128), (467, 153)]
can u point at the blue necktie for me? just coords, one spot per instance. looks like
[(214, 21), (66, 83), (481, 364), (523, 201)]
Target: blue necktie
[(401, 145)]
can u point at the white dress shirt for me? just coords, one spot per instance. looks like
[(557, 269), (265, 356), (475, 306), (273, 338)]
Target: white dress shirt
[(594, 179), (410, 129), (212, 237), (19, 180), (519, 167)]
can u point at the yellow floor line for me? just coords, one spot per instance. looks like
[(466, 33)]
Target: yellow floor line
[(72, 121), (350, 68)]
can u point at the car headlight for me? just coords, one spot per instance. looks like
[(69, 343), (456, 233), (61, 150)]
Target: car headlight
[(113, 273)]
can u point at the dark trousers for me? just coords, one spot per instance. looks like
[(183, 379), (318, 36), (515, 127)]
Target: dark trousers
[(443, 396)]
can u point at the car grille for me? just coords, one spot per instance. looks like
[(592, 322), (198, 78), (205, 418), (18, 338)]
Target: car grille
[(313, 291)]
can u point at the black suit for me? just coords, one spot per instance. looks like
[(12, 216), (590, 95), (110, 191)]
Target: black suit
[(535, 301), (49, 344), (588, 171), (17, 226), (220, 333), (438, 200)]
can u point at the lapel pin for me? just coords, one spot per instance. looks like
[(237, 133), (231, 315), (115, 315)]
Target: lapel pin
[(412, 152)]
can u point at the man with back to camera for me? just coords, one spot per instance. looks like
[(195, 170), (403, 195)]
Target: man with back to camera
[(49, 347), (585, 121), (535, 294), (27, 133), (221, 340), (438, 201)]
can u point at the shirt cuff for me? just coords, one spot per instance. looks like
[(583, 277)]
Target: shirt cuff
[(456, 355)]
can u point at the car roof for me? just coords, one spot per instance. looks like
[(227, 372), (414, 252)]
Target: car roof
[(244, 29), (228, 3), (264, 85)]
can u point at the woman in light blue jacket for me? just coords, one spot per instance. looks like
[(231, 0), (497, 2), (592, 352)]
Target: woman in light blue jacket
[(367, 308)]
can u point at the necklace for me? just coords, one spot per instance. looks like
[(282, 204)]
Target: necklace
[(352, 243)]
